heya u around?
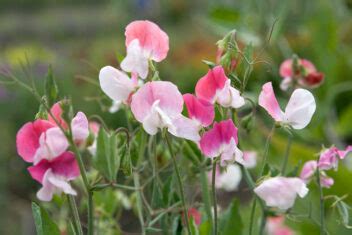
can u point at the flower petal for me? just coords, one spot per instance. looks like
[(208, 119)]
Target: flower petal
[(151, 38), (186, 128), (56, 111), (115, 84), (300, 108), (27, 138), (135, 61), (230, 179), (199, 109), (269, 102), (79, 126), (308, 170)]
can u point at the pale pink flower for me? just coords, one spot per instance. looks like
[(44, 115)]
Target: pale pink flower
[(117, 86), (249, 159), (298, 112), (54, 175), (144, 41), (307, 76), (308, 170), (229, 179), (199, 110), (222, 141), (159, 105), (281, 192), (329, 157), (276, 226), (216, 87)]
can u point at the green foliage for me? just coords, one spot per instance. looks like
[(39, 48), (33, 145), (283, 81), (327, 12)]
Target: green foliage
[(44, 225), (231, 222)]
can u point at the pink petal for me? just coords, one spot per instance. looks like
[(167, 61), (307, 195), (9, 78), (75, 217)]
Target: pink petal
[(213, 81), (79, 126), (197, 216), (328, 159), (186, 128), (308, 170), (250, 159), (308, 66), (199, 109), (151, 38), (343, 153), (286, 68), (325, 181), (220, 134), (56, 111), (65, 165), (170, 99), (268, 101), (27, 138)]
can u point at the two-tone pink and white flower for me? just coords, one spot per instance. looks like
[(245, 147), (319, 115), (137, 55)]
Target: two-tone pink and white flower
[(305, 75), (276, 226), (117, 86), (144, 41), (281, 192), (298, 112), (158, 105), (201, 111), (215, 87), (221, 141)]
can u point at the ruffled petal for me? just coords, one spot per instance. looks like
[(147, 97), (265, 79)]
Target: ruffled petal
[(199, 109), (56, 111), (308, 170), (135, 61), (186, 128), (269, 102)]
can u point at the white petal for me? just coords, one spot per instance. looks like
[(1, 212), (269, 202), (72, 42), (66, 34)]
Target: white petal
[(230, 179), (115, 83), (61, 184), (237, 100), (115, 106), (136, 60), (300, 109), (231, 153), (186, 128), (156, 119), (286, 83)]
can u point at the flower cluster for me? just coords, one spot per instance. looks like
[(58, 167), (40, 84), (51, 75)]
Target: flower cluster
[(44, 144)]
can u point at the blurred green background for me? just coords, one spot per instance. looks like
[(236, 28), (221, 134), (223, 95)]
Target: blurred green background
[(79, 37)]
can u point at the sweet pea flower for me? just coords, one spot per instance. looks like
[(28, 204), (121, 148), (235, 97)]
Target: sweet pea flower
[(222, 141), (306, 74), (193, 212), (281, 192), (298, 112), (117, 86), (144, 41), (54, 175), (199, 110), (249, 159), (276, 226), (308, 171), (329, 157), (216, 87), (159, 105), (229, 179)]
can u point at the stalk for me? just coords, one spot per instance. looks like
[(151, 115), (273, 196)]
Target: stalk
[(287, 155), (74, 212), (214, 198)]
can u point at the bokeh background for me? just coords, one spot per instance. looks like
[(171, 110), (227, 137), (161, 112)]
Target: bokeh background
[(79, 37)]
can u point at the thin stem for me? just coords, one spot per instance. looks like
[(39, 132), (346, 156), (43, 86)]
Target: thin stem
[(205, 193), (90, 214), (322, 207), (251, 219), (185, 210), (74, 212), (214, 198), (139, 202), (266, 150), (287, 155), (262, 223)]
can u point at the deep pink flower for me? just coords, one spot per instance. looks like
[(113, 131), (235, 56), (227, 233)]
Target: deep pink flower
[(144, 41), (276, 226), (222, 141), (306, 76), (159, 105), (55, 174), (199, 110), (116, 85), (216, 87), (281, 192), (197, 216), (298, 112), (56, 111)]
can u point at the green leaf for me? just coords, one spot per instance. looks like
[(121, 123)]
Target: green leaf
[(193, 226), (42, 113), (205, 228), (209, 63), (51, 89), (71, 229), (231, 222), (107, 160), (343, 210), (44, 225)]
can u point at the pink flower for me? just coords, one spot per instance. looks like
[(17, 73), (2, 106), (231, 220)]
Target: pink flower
[(56, 111), (222, 141), (306, 75), (159, 105), (199, 110), (276, 226), (116, 85), (197, 216), (144, 41), (281, 192), (54, 175), (216, 87), (326, 181), (298, 112), (308, 170), (329, 157), (249, 159)]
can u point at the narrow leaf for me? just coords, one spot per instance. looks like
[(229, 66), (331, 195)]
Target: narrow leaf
[(44, 225)]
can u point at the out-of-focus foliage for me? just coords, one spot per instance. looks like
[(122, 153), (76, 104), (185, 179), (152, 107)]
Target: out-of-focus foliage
[(78, 37)]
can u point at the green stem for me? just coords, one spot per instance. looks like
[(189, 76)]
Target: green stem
[(205, 192), (287, 155), (139, 201), (262, 223), (90, 214), (185, 210), (214, 198), (266, 150), (322, 207), (251, 219), (74, 212)]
